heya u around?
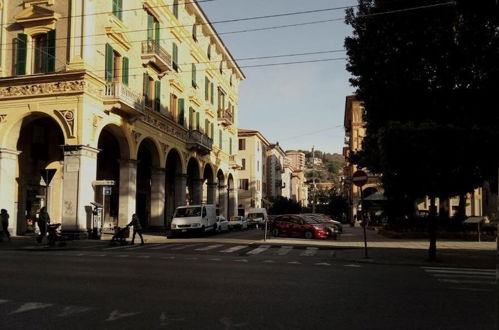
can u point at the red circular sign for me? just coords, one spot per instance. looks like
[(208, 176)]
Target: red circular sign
[(359, 178)]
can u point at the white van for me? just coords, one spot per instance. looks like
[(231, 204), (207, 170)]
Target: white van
[(257, 216), (190, 218)]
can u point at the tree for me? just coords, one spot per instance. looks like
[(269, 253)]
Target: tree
[(283, 205), (424, 75)]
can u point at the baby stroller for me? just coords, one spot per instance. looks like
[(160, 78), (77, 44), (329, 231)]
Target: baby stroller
[(120, 235)]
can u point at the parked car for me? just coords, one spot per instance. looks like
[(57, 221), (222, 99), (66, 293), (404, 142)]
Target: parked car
[(222, 224), (257, 217), (299, 226), (238, 222), (194, 218), (322, 218)]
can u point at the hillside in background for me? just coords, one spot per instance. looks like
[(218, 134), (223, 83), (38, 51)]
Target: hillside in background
[(330, 170)]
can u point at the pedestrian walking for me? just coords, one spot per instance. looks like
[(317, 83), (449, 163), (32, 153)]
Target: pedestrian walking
[(43, 221), (137, 228), (4, 217)]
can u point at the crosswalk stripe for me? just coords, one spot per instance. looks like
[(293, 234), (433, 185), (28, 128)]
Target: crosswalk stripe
[(260, 249), (117, 247), (163, 246), (484, 276), (234, 249), (434, 271), (309, 252), (460, 269), (181, 247), (466, 281), (284, 250), (137, 247), (209, 247)]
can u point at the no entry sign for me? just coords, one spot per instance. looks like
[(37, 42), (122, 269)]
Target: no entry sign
[(359, 178)]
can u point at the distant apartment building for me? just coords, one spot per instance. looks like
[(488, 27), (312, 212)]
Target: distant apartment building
[(299, 187), (252, 155), (275, 170), (287, 178), (297, 159)]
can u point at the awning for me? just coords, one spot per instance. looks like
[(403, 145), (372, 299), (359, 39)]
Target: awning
[(474, 220), (377, 196)]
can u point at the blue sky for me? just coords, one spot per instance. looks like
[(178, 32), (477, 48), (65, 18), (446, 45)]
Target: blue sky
[(297, 105)]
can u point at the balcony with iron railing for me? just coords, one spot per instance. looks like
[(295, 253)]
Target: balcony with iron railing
[(199, 142), (225, 117), (235, 162), (120, 97), (152, 52)]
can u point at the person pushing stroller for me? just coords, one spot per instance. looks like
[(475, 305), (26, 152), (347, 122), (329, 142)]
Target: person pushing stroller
[(137, 228)]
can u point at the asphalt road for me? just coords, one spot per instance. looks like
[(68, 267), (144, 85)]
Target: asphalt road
[(213, 285)]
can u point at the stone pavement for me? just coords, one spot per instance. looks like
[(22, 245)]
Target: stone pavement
[(350, 247)]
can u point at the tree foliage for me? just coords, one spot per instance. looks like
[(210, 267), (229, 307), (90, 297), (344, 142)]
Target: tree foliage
[(426, 77)]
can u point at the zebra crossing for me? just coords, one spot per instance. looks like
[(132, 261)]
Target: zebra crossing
[(224, 249), (470, 279)]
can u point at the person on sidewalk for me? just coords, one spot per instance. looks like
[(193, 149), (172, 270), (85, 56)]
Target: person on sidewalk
[(4, 218), (137, 228), (43, 221)]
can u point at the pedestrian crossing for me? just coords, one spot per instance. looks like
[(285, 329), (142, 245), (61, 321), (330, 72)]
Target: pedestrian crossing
[(469, 279), (225, 249)]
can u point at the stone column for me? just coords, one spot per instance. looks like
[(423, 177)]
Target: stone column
[(180, 186), (212, 193), (222, 200), (197, 194), (128, 191), (158, 197), (8, 185), (80, 169), (232, 207)]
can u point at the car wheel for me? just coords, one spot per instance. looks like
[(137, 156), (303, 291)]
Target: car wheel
[(309, 234), (275, 232)]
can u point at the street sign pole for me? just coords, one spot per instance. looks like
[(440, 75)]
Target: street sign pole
[(359, 178)]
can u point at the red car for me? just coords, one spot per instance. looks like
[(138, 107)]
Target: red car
[(297, 225)]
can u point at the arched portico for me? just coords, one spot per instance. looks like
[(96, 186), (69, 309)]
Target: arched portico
[(232, 193), (150, 194), (222, 194), (209, 185), (40, 167), (174, 184), (194, 182)]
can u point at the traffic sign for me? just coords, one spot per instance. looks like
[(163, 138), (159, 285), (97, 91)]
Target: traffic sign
[(359, 178)]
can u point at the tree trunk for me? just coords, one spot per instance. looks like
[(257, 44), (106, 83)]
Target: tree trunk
[(461, 208), (432, 230)]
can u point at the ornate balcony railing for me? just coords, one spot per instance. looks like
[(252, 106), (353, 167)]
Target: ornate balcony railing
[(118, 95), (199, 142), (153, 53), (225, 116)]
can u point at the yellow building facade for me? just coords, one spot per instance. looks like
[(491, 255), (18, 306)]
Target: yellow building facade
[(128, 104)]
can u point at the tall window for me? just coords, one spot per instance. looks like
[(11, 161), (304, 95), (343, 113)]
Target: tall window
[(208, 52), (242, 144), (116, 66), (43, 53), (206, 89), (181, 110), (221, 99), (175, 8), (230, 146), (244, 184), (195, 32), (118, 8), (174, 107), (153, 29), (221, 67), (40, 51), (220, 139), (243, 164)]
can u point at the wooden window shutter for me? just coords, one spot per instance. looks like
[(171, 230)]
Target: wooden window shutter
[(220, 138), (157, 96), (230, 146), (193, 68), (211, 93), (181, 115), (157, 31), (206, 88), (118, 8), (150, 27), (197, 121), (109, 63), (125, 70), (212, 131), (51, 51), (175, 56), (21, 53)]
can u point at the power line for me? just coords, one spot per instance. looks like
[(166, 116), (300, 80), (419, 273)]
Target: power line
[(312, 133)]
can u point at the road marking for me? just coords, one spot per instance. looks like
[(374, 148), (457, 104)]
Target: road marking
[(284, 250), (181, 247), (163, 246), (309, 252), (165, 320), (116, 315), (484, 276), (215, 259), (93, 246), (241, 260), (466, 281), (168, 258), (268, 262), (234, 248), (117, 247), (143, 257), (30, 306), (71, 310), (294, 262), (191, 258), (353, 266), (469, 289), (137, 247), (461, 269), (102, 255), (209, 247), (79, 254), (152, 246), (260, 249), (322, 264), (435, 271), (122, 256), (3, 301)]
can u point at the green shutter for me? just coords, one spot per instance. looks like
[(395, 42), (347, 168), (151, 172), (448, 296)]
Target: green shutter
[(22, 52), (175, 8), (181, 115), (150, 27), (230, 146), (125, 70), (211, 93), (206, 89), (207, 127), (191, 118), (109, 63), (158, 31), (157, 95), (175, 56), (51, 51), (212, 131), (220, 138), (193, 68), (197, 121), (118, 9)]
